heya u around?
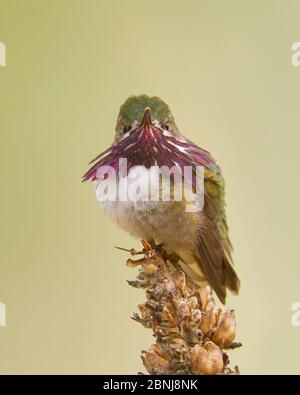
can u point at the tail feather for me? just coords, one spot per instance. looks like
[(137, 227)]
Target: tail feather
[(231, 279)]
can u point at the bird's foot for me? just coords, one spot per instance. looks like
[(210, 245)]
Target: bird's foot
[(132, 251), (150, 249)]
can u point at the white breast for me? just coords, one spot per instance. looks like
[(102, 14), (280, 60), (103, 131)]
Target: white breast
[(131, 214), (143, 214)]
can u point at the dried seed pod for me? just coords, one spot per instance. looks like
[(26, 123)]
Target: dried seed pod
[(182, 308), (207, 359), (204, 295), (209, 321), (154, 362), (226, 329), (181, 283), (196, 315), (191, 332), (151, 268), (193, 302), (210, 305), (146, 313)]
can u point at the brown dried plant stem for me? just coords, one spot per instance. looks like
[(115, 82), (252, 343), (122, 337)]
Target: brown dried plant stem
[(191, 332)]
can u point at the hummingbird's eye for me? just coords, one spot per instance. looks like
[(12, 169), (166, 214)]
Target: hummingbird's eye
[(126, 128), (165, 126)]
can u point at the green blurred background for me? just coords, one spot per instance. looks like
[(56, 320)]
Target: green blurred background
[(225, 70)]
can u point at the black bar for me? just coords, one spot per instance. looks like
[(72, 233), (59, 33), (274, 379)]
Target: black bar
[(94, 384)]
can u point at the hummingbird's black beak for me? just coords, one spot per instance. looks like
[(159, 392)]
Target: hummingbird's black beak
[(146, 121)]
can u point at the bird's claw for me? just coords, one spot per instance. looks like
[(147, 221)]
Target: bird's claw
[(132, 251)]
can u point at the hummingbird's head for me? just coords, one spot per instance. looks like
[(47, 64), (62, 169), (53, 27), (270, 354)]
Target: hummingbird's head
[(146, 135), (142, 111)]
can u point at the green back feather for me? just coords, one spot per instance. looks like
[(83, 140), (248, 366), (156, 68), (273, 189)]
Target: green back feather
[(215, 188)]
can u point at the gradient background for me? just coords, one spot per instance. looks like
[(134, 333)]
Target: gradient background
[(225, 70)]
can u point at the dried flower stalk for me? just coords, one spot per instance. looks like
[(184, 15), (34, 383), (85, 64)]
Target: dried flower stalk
[(191, 333)]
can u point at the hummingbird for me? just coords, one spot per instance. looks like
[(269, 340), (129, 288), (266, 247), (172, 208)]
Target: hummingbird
[(146, 136)]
